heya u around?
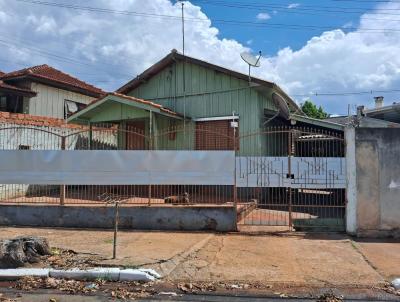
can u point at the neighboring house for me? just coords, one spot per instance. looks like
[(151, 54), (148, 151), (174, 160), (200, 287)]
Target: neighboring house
[(379, 117), (210, 97), (13, 98), (44, 91), (389, 113)]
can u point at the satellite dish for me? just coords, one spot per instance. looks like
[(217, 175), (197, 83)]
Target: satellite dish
[(280, 102), (251, 60)]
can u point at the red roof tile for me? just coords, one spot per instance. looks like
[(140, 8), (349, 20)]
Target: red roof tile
[(50, 74), (1, 73), (131, 98)]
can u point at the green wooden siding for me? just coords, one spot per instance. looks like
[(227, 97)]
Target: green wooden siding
[(208, 94), (116, 112), (180, 140)]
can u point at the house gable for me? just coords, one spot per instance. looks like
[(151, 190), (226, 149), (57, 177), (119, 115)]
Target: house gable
[(208, 93)]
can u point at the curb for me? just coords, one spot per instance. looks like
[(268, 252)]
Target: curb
[(112, 274)]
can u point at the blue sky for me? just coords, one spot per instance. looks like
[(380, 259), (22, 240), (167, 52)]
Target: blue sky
[(353, 46), (269, 41)]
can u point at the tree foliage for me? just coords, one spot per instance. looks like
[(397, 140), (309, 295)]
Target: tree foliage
[(311, 110)]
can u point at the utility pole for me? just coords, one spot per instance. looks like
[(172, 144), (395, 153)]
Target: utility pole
[(183, 28), (183, 72)]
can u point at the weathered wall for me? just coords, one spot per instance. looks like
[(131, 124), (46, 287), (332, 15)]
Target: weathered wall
[(378, 181), (50, 100), (146, 218)]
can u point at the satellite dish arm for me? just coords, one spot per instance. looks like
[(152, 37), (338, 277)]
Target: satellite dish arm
[(259, 57)]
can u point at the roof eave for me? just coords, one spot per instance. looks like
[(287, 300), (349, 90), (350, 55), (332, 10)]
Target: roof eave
[(18, 92), (175, 56), (116, 98), (148, 73), (317, 122), (385, 109), (55, 84)]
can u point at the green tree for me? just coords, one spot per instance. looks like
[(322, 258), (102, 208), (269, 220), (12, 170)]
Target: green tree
[(311, 110)]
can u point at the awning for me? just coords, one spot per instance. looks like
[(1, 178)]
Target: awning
[(117, 107)]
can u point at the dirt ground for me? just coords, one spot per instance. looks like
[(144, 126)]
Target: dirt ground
[(383, 255), (268, 258)]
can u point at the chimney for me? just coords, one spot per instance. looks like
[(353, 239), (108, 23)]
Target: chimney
[(378, 101), (360, 112)]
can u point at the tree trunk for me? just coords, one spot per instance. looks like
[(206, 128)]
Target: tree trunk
[(21, 250)]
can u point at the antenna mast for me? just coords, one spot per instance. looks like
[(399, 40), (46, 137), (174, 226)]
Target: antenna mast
[(184, 74), (183, 28)]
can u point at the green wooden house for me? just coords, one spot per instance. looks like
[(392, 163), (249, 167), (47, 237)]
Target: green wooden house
[(198, 100)]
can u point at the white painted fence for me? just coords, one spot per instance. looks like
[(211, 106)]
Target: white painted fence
[(306, 172), (112, 167)]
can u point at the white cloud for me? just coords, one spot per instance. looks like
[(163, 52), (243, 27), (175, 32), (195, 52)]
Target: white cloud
[(249, 42), (3, 17), (293, 5), (336, 61), (115, 48), (263, 16), (43, 25), (348, 25)]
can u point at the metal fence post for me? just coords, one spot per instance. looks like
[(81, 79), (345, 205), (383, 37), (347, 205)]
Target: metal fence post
[(234, 170), (62, 187), (116, 218), (150, 148), (290, 137), (90, 136)]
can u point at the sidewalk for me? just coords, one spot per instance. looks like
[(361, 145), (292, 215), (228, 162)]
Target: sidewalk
[(282, 257)]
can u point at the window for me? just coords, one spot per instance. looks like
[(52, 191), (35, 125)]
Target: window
[(216, 135), (3, 103), (11, 103), (70, 107)]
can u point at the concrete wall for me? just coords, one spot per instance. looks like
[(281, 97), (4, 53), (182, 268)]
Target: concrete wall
[(377, 169), (137, 217)]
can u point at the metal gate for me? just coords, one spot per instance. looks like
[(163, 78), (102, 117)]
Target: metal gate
[(291, 177)]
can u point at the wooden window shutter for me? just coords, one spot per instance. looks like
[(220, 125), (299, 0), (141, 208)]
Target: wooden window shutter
[(215, 135)]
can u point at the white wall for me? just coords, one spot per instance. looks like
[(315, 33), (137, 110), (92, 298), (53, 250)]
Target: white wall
[(50, 100), (351, 181)]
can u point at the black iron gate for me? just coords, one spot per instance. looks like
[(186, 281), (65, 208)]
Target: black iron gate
[(291, 177)]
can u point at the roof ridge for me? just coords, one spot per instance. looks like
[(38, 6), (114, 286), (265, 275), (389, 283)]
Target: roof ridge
[(50, 73), (72, 76)]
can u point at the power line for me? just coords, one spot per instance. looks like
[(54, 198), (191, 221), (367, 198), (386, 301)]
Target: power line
[(230, 22), (325, 9), (9, 43), (367, 1), (297, 11), (348, 93), (300, 7)]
